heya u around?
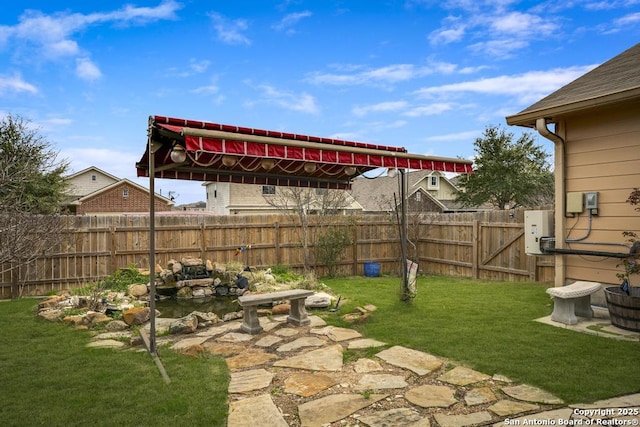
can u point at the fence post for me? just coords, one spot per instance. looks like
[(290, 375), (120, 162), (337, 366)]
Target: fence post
[(276, 227), (533, 268), (475, 249), (355, 250), (112, 251), (203, 246)]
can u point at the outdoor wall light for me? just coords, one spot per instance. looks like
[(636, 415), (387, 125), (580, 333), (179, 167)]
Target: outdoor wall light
[(268, 164), (310, 167), (178, 155), (350, 170), (229, 161)]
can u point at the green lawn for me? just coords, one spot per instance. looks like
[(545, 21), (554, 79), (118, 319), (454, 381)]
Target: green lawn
[(48, 377), (489, 326)]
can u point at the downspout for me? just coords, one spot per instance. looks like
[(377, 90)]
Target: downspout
[(560, 190)]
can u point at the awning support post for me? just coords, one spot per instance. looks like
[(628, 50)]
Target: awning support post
[(152, 249), (404, 234)]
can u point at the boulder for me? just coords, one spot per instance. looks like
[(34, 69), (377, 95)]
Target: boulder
[(51, 315), (198, 292), (52, 301), (136, 316), (93, 318), (191, 261), (75, 320), (206, 317), (116, 325), (176, 267), (233, 316), (318, 300), (281, 309), (209, 265), (185, 325), (185, 292), (137, 290)]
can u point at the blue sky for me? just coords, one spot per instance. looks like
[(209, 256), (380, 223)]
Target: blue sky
[(423, 74)]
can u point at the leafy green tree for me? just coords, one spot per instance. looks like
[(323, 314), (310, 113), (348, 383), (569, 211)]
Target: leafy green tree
[(31, 191), (31, 176), (507, 174)]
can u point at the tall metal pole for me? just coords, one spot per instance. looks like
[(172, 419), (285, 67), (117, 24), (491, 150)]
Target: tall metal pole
[(404, 233), (152, 247)]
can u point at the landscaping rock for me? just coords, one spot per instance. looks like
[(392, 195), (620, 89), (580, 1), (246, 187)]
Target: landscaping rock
[(184, 325), (116, 325), (137, 290), (136, 316), (318, 300), (281, 309), (184, 292), (94, 318)]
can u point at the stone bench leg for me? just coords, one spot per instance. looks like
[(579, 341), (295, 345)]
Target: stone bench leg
[(298, 313), (583, 307), (564, 311), (250, 321)]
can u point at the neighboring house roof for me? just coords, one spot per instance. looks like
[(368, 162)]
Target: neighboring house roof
[(121, 182), (91, 169), (612, 82), (376, 194)]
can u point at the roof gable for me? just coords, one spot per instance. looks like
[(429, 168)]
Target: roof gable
[(117, 184), (92, 169)]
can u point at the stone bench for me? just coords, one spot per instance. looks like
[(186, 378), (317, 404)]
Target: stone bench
[(571, 301), (297, 313)]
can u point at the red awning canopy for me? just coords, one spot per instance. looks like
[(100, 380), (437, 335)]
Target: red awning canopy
[(223, 153)]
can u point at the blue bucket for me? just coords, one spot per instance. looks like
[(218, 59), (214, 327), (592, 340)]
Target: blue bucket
[(371, 269)]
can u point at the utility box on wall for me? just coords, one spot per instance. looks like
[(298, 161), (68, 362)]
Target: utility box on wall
[(537, 224)]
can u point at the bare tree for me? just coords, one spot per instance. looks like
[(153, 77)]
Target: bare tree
[(31, 190), (312, 209)]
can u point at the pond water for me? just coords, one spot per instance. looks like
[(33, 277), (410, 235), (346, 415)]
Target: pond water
[(175, 308)]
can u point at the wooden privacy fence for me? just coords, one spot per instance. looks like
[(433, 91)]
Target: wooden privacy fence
[(486, 246)]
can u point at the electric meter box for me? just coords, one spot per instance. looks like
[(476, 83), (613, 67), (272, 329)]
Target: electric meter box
[(537, 224)]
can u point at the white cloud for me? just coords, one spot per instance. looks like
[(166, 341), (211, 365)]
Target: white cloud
[(630, 19), (230, 31), (447, 35), (52, 36), (206, 90), (430, 110), (303, 102), (87, 70), (501, 48), (383, 107), (533, 84), (458, 136), (290, 20), (385, 75), (16, 84)]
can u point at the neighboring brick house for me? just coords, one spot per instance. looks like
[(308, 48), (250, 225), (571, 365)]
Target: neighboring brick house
[(94, 191), (225, 198), (428, 191)]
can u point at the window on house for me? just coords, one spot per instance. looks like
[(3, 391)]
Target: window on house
[(268, 189), (418, 196), (434, 182), (125, 193), (94, 178)]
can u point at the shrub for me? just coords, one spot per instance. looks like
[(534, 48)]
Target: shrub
[(330, 244)]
